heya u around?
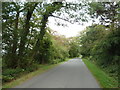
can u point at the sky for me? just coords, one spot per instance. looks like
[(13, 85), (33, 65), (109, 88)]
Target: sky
[(70, 31)]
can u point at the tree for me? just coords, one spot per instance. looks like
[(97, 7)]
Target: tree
[(30, 9), (24, 28), (10, 20), (74, 48)]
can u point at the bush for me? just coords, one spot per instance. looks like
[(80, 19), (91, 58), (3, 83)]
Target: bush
[(32, 68), (10, 74), (55, 61), (7, 78)]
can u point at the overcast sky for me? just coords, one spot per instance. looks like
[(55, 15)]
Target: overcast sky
[(70, 30)]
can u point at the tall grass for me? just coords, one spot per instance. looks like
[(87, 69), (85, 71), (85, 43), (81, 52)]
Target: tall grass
[(103, 78)]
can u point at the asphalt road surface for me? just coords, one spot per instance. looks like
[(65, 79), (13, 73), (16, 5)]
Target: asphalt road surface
[(71, 74)]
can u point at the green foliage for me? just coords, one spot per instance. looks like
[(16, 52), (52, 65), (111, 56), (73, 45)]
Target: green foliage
[(101, 45), (74, 49), (7, 78), (108, 12), (10, 74), (44, 53), (21, 32), (25, 37), (90, 37), (32, 68), (59, 49), (105, 80), (56, 61), (27, 41)]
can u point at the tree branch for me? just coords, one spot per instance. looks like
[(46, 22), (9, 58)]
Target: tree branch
[(61, 19)]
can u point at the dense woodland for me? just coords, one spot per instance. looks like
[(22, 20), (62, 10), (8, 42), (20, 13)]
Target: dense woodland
[(28, 41), (100, 43)]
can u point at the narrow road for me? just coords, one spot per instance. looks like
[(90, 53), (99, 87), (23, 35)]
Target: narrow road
[(71, 74)]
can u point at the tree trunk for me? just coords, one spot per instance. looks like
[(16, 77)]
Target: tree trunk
[(42, 33), (13, 55), (43, 26), (25, 32), (15, 37)]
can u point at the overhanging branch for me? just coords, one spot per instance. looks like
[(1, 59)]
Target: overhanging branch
[(61, 19)]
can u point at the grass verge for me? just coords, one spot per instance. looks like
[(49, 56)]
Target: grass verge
[(103, 79), (23, 78)]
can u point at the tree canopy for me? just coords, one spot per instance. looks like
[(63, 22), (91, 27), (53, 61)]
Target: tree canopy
[(27, 39)]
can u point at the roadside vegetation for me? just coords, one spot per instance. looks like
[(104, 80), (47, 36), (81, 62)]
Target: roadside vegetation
[(100, 43), (28, 42), (24, 75), (51, 55), (103, 78)]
